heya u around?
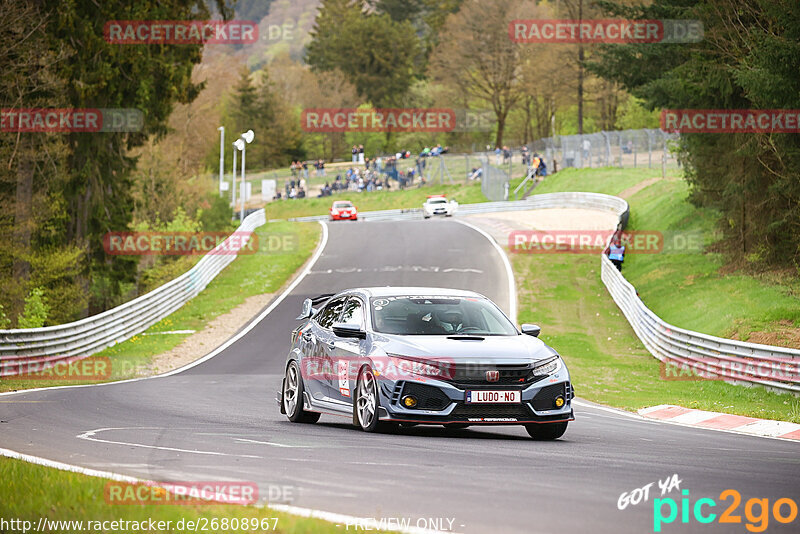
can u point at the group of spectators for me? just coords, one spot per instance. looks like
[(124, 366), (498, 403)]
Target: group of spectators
[(301, 168), (534, 162), (403, 168), (501, 155), (293, 189), (358, 153)]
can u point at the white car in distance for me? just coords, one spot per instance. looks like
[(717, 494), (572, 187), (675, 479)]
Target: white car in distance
[(439, 205)]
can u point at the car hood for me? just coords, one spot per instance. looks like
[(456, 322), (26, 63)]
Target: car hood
[(499, 349)]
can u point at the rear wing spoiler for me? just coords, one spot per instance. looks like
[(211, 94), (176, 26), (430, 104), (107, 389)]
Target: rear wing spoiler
[(309, 305)]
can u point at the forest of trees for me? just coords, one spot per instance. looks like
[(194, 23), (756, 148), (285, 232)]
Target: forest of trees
[(61, 192)]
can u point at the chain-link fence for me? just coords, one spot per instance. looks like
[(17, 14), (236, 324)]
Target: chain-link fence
[(494, 168), (625, 148)]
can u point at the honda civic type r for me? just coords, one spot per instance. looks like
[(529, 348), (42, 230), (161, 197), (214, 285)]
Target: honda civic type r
[(422, 356)]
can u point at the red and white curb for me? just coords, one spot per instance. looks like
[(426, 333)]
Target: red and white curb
[(722, 421)]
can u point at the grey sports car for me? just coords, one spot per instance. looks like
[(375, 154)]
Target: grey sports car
[(416, 355)]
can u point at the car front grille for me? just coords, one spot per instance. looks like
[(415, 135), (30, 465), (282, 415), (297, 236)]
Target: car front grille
[(471, 375)]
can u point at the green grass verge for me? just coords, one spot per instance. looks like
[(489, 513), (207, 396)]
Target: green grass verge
[(608, 363), (689, 289), (376, 200), (609, 180), (246, 276), (709, 298), (73, 497), (693, 289)]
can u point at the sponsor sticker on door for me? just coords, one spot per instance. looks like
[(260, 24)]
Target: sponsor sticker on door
[(344, 384)]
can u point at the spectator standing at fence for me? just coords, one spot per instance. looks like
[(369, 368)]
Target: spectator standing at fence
[(616, 253), (498, 155), (322, 167), (361, 153)]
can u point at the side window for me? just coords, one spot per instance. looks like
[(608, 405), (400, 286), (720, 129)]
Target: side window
[(330, 313), (353, 312)]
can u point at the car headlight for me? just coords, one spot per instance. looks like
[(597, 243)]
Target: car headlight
[(399, 368), (547, 367)]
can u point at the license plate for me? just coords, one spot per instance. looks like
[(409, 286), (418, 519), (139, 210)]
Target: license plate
[(494, 397)]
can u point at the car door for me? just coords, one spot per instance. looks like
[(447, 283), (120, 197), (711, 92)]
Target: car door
[(347, 352), (324, 346)]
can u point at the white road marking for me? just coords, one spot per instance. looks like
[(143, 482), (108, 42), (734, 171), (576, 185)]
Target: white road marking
[(399, 268), (89, 436), (272, 443)]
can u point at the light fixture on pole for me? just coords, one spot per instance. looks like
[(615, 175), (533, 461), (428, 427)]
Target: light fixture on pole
[(233, 179), (221, 157), (243, 141)]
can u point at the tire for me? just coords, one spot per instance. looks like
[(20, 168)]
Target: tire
[(546, 431), (293, 397), (427, 216), (366, 403)]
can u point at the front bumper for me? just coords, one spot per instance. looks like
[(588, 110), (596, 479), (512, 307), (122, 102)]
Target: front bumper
[(442, 402)]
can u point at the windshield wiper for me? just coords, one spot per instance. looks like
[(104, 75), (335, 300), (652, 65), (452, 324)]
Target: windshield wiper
[(466, 337)]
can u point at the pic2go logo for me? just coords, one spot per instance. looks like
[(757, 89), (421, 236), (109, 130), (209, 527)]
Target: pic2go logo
[(756, 511)]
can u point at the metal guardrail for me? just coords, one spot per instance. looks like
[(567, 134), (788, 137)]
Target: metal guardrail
[(35, 348), (549, 200), (737, 362)]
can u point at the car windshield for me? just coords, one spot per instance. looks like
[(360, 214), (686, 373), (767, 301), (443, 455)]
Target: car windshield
[(342, 205), (439, 316), (437, 201)]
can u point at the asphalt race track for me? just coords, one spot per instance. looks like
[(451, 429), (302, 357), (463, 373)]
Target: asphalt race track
[(219, 421)]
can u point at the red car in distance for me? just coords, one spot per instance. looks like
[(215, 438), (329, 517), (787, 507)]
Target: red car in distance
[(343, 210)]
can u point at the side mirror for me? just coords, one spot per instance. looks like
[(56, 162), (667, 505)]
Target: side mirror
[(348, 330), (531, 330), (307, 310)]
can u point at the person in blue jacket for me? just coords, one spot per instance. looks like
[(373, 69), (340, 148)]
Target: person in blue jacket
[(616, 253)]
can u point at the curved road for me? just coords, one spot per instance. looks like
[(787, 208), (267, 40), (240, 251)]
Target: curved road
[(219, 421)]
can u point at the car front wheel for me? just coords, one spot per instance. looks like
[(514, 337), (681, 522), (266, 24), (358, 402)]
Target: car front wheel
[(546, 431), (365, 407), (293, 397)]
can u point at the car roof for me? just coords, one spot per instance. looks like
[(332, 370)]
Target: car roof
[(389, 291)]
